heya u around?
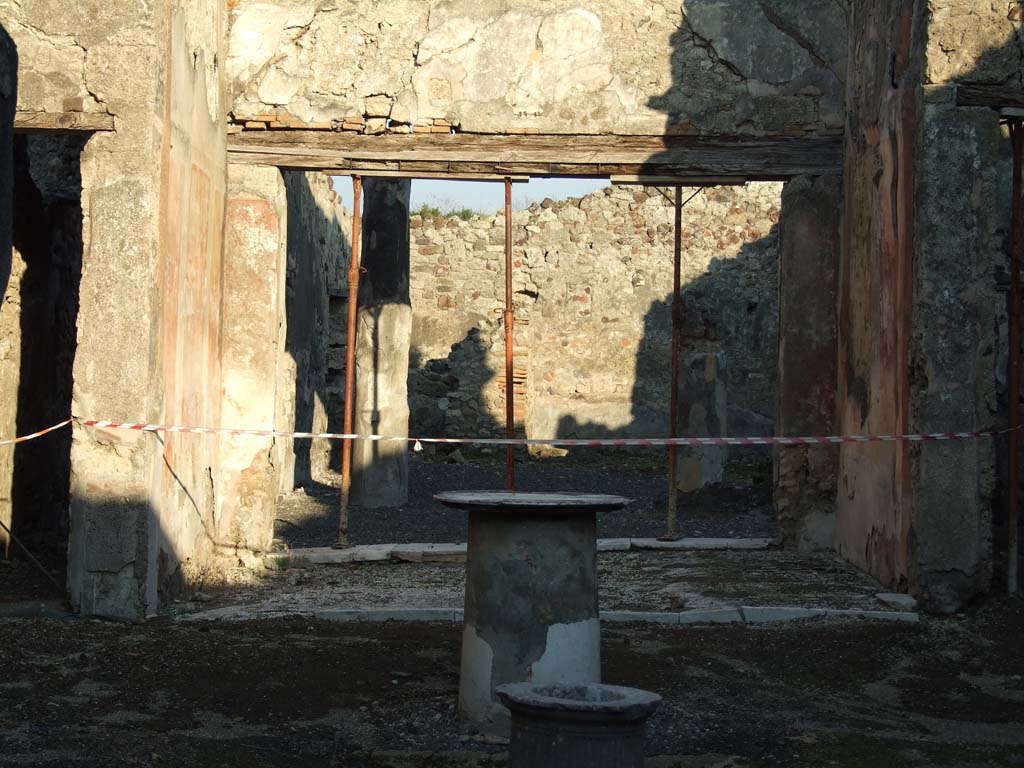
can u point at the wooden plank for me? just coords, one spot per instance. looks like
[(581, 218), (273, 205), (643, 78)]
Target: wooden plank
[(655, 181), (994, 96), (62, 122), (694, 158), (405, 174)]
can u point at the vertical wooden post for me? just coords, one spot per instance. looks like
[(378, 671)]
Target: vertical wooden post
[(350, 359), (510, 412), (1013, 374), (671, 527)]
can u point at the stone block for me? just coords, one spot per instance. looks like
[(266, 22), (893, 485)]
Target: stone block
[(711, 616), (644, 617), (613, 545), (856, 613), (362, 553), (898, 601), (765, 614), (429, 553)]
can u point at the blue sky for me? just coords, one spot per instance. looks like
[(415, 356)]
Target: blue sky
[(485, 197)]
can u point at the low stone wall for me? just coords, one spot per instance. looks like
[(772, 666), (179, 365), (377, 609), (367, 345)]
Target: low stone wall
[(592, 285)]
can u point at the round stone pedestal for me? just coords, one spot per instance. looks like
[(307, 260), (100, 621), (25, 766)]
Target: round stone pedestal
[(577, 726), (531, 593)]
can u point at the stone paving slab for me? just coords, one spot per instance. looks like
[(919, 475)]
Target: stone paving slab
[(741, 615), (453, 552)]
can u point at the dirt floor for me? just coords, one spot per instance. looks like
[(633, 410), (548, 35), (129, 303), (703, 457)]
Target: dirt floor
[(740, 506), (299, 692)]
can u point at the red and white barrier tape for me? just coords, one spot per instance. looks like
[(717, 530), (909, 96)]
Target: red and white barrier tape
[(34, 435), (562, 442)]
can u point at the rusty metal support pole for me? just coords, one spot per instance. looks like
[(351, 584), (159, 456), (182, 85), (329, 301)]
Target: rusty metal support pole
[(671, 527), (510, 411), (350, 358), (1013, 374)]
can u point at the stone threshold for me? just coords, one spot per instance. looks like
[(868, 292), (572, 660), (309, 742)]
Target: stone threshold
[(456, 553), (745, 614)]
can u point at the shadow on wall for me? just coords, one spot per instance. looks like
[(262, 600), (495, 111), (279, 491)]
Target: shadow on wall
[(724, 315), (448, 396), (315, 310), (43, 296)]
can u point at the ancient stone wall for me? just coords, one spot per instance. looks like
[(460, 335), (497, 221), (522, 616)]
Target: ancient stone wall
[(592, 283), (926, 222), (143, 508), (561, 66), (958, 343)]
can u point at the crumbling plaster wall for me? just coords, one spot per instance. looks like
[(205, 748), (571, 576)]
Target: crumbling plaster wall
[(548, 66), (252, 341), (925, 228)]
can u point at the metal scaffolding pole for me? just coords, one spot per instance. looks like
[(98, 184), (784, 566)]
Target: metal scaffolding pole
[(671, 526), (510, 413), (350, 359)]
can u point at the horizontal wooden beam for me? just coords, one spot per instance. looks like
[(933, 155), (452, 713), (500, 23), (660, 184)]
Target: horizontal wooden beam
[(428, 175), (660, 181), (439, 155), (62, 122), (994, 96)]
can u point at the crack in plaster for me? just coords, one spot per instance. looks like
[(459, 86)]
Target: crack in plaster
[(797, 37), (58, 40), (713, 55)]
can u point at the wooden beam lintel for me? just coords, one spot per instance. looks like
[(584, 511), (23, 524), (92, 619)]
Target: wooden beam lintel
[(757, 159), (992, 96), (62, 122)]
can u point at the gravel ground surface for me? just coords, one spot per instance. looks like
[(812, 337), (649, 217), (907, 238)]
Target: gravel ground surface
[(629, 581), (297, 693), (741, 506)]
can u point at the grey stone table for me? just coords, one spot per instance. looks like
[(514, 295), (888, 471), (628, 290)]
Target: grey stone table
[(531, 593)]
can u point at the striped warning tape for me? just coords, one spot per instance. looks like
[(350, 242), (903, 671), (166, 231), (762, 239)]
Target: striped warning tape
[(34, 435), (561, 442)]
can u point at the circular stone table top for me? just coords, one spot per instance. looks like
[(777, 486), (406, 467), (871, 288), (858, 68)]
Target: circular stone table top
[(513, 502)]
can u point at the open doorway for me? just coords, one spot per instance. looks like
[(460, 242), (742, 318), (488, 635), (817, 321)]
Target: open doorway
[(37, 345), (592, 292)]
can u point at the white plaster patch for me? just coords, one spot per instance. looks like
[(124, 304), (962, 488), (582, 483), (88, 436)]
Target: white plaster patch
[(475, 675), (572, 654)]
